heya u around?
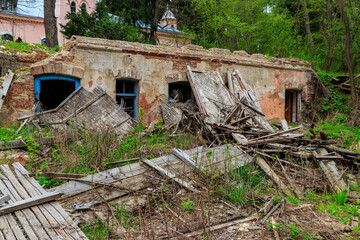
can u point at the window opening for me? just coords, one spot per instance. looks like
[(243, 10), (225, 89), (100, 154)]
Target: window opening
[(51, 90), (43, 41), (83, 6), (180, 92), (8, 37), (73, 7), (9, 5), (126, 96), (292, 105)]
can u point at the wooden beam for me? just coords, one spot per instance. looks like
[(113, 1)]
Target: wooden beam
[(267, 169), (277, 133), (187, 160), (169, 175), (5, 86), (30, 202)]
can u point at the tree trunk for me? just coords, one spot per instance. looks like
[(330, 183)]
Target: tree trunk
[(347, 43), (50, 23), (155, 9), (307, 26)]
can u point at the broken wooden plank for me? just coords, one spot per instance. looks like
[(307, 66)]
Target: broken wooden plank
[(187, 160), (284, 125), (5, 86), (224, 225), (21, 144), (195, 90), (239, 138), (55, 215), (57, 175), (271, 212), (267, 169), (4, 199), (123, 161), (21, 126), (169, 175), (277, 133), (269, 140), (330, 170), (340, 150), (291, 182), (30, 202), (230, 83), (241, 120)]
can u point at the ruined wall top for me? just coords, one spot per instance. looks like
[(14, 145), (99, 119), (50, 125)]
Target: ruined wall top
[(187, 52)]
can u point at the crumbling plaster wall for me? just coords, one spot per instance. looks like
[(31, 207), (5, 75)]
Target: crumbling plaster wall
[(99, 62)]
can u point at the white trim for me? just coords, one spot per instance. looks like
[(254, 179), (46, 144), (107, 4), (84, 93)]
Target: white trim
[(42, 37), (7, 32)]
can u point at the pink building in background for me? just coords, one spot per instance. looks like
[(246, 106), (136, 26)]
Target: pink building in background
[(24, 19)]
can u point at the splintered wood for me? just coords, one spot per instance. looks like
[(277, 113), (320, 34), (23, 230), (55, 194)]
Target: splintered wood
[(96, 109), (131, 177), (31, 212), (5, 86)]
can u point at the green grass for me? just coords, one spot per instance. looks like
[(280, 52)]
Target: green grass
[(338, 130), (335, 205), (27, 47), (240, 183)]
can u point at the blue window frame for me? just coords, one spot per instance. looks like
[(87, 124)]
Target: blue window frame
[(51, 90), (126, 95)]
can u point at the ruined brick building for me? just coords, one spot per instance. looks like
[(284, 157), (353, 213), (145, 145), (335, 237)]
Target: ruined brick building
[(144, 76)]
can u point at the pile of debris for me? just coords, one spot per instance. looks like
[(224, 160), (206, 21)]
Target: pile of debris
[(224, 113)]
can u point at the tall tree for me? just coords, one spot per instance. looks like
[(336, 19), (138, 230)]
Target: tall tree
[(347, 43), (50, 23)]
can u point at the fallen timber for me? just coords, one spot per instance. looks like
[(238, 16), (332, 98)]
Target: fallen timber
[(32, 212), (131, 177)]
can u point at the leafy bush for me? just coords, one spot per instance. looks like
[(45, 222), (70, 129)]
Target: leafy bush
[(337, 129), (101, 24)]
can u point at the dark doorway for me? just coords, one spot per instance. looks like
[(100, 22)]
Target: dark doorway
[(292, 105), (180, 91), (53, 92)]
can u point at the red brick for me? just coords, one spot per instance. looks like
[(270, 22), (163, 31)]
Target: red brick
[(78, 72), (58, 67), (49, 68), (37, 70)]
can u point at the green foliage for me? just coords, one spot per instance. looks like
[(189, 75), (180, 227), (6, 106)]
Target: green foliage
[(335, 205), (338, 130), (47, 182), (240, 183), (293, 200), (97, 230), (341, 198), (274, 28), (101, 24), (124, 217), (188, 205), (27, 47)]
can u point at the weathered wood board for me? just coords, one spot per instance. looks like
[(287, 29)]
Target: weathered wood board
[(132, 176), (5, 86), (96, 110), (40, 221)]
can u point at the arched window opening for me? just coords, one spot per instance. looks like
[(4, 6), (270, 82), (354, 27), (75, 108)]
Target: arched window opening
[(126, 96), (8, 37), (73, 7), (51, 90), (180, 92), (83, 6), (43, 41)]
